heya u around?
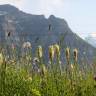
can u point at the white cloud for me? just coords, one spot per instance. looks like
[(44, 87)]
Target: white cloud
[(46, 7), (93, 35)]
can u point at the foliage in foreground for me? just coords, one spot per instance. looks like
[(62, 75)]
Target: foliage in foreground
[(27, 77)]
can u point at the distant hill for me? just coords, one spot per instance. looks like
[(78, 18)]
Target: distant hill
[(91, 40), (40, 31)]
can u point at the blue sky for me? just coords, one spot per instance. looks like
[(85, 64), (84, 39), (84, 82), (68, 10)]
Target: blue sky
[(80, 14)]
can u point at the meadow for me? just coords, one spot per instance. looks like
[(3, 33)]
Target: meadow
[(30, 76)]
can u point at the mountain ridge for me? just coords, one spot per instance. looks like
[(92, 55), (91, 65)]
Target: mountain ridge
[(35, 29)]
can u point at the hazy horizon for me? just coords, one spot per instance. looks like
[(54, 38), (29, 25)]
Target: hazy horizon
[(80, 15)]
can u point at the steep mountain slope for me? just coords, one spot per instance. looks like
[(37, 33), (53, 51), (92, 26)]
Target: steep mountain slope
[(35, 28)]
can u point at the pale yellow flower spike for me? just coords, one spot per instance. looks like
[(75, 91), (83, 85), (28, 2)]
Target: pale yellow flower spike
[(57, 49), (40, 51), (72, 66), (67, 54), (1, 58), (75, 51), (51, 52)]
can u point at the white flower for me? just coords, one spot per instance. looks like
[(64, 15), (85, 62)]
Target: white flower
[(26, 45), (35, 60)]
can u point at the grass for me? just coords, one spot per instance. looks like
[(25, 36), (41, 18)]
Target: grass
[(29, 76)]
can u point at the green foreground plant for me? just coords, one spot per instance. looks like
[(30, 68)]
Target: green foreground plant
[(23, 77)]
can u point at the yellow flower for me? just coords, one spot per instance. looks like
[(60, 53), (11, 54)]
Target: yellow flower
[(67, 53), (57, 49), (28, 58), (40, 51), (29, 78), (72, 66), (51, 52), (1, 58), (75, 53)]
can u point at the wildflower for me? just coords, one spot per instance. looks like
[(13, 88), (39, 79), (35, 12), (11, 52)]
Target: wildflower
[(38, 70), (57, 49), (12, 61), (67, 54), (29, 78), (51, 52), (49, 62), (72, 66), (26, 45), (1, 58), (60, 62), (28, 58), (35, 60), (75, 54), (40, 51), (35, 92)]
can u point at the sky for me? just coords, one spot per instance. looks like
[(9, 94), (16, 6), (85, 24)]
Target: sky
[(79, 14)]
